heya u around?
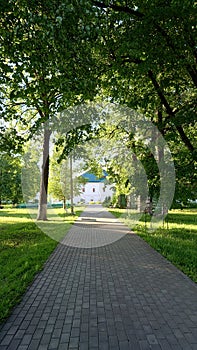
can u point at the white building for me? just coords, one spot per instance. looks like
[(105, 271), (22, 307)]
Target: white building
[(95, 189)]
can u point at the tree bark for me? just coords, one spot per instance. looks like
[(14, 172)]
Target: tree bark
[(71, 186), (64, 203), (160, 146), (42, 208), (170, 112)]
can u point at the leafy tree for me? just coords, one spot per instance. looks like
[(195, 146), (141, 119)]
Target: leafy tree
[(30, 160), (148, 59), (10, 179), (46, 66), (186, 175), (56, 54), (151, 66), (151, 61), (60, 179)]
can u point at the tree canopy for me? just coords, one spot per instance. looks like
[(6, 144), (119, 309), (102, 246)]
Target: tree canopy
[(141, 54), (46, 65)]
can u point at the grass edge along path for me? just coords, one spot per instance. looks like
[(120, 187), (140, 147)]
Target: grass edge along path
[(24, 249), (177, 243)]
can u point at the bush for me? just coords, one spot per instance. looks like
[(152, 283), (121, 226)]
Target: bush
[(107, 202)]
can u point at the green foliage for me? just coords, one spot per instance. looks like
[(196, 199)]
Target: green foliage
[(10, 179), (46, 65), (30, 170), (152, 58), (45, 59), (60, 179), (107, 201), (57, 54)]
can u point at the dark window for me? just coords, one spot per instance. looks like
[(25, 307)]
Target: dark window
[(83, 189), (93, 190)]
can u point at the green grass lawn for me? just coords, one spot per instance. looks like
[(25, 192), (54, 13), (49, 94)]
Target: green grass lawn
[(177, 241), (24, 248)]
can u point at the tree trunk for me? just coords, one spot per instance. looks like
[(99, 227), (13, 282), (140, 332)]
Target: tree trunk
[(160, 145), (64, 203), (42, 208), (1, 178), (122, 201), (71, 186)]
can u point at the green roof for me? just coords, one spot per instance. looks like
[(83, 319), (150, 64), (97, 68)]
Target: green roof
[(93, 178)]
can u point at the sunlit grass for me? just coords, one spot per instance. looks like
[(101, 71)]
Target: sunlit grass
[(175, 239), (24, 248)]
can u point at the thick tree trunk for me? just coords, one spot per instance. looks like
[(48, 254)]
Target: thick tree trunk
[(71, 186), (42, 208), (64, 203)]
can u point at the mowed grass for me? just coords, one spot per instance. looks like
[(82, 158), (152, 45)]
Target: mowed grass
[(24, 248), (176, 241)]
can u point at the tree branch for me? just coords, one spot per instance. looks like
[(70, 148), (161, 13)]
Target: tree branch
[(184, 138), (119, 8), (128, 10), (170, 111), (127, 59), (193, 73), (161, 95)]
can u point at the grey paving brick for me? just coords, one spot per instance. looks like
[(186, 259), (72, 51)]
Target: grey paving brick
[(7, 340), (84, 336), (53, 343), (45, 339), (56, 333), (14, 344), (113, 342), (134, 344), (116, 295), (12, 330), (74, 342), (42, 347), (155, 347), (83, 346), (26, 340), (103, 337), (19, 334), (34, 344), (144, 345), (165, 345), (38, 333), (124, 345), (152, 339)]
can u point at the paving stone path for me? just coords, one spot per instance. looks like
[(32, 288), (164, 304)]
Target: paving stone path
[(119, 295)]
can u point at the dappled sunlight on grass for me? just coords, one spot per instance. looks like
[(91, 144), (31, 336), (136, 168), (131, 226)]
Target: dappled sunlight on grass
[(24, 248), (14, 213), (58, 223)]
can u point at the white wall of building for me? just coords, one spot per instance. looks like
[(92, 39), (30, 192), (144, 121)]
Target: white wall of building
[(94, 191)]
